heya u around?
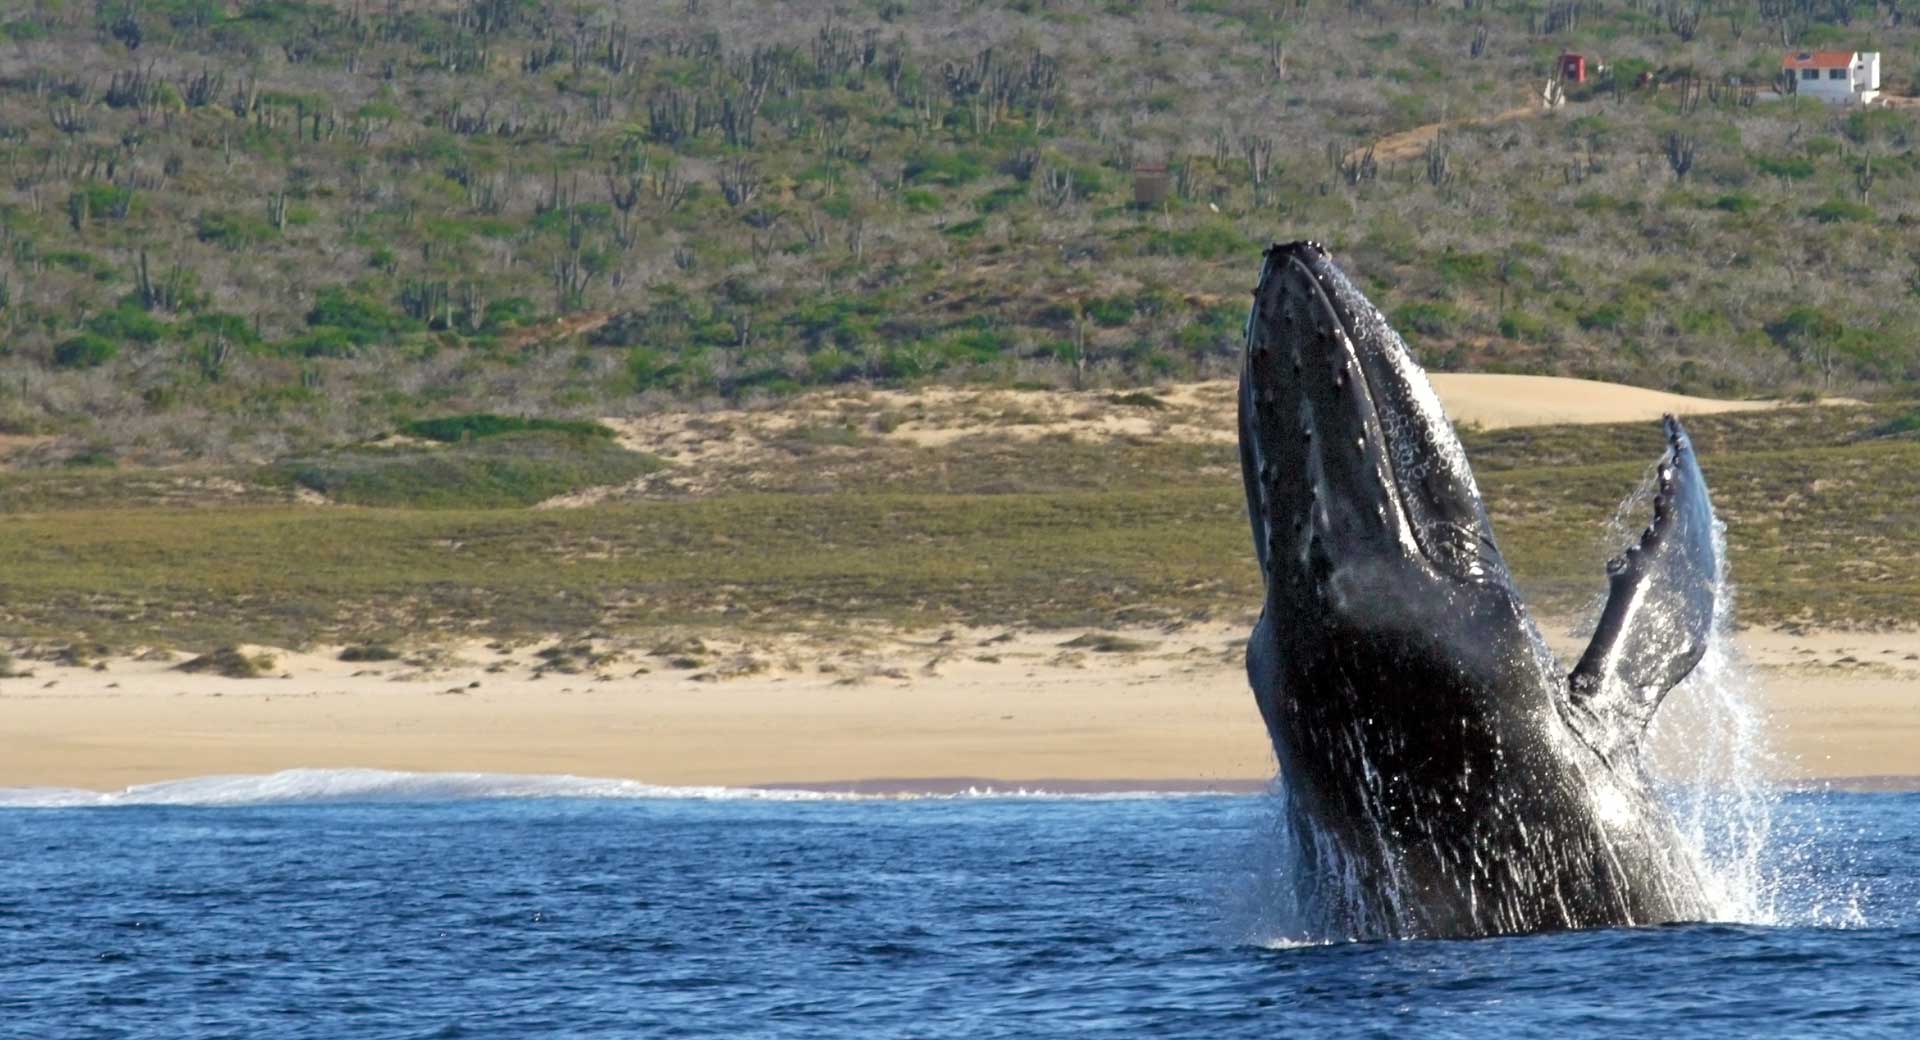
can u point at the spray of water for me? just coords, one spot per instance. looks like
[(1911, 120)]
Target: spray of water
[(1709, 748)]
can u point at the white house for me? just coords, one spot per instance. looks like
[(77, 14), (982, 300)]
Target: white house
[(1841, 77)]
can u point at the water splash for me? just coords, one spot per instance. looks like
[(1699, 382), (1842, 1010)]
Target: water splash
[(1711, 753)]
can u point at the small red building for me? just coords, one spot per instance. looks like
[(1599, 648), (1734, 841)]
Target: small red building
[(1573, 68)]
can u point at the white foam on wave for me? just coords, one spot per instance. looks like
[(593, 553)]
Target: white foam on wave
[(321, 786)]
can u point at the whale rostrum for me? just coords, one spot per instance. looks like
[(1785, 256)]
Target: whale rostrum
[(1444, 774)]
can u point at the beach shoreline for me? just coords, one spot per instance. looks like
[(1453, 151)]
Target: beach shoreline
[(862, 712)]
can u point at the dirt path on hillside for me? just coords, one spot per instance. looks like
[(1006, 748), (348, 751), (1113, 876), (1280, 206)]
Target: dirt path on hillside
[(1411, 144)]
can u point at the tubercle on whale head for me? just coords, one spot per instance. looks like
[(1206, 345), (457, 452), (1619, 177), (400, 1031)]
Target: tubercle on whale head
[(1342, 437)]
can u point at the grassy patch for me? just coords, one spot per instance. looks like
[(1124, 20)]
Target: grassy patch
[(506, 469), (228, 661), (1132, 534), (475, 426)]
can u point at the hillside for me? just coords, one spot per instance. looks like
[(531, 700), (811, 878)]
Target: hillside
[(244, 230)]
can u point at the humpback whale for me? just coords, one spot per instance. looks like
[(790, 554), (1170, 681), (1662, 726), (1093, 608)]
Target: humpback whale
[(1443, 774)]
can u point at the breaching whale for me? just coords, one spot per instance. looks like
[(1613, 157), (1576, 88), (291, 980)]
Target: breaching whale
[(1443, 774)]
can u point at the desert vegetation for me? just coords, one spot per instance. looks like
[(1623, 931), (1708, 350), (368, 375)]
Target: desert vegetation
[(253, 231)]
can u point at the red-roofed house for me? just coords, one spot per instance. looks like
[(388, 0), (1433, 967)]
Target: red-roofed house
[(1842, 77)]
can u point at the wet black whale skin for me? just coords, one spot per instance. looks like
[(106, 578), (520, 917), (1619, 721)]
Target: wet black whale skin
[(1445, 776)]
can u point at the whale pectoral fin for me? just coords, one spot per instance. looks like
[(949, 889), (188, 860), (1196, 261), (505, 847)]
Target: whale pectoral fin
[(1660, 605)]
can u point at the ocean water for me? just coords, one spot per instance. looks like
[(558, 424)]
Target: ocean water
[(350, 904)]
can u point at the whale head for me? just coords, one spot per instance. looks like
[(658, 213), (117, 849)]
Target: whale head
[(1345, 450)]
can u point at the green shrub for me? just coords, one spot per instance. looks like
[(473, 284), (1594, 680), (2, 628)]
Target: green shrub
[(87, 350), (1702, 321), (1001, 198), (222, 325), (1869, 124), (1523, 326), (1836, 210), (951, 168), (973, 346), (1898, 426), (511, 312), (1793, 169), (361, 320), (1217, 330), (1608, 317), (1428, 317), (832, 365), (79, 262), (335, 343), (23, 30), (474, 426), (920, 200), (127, 324), (965, 229), (649, 368), (1110, 311), (1804, 323), (106, 201), (1465, 268), (1214, 240), (233, 230)]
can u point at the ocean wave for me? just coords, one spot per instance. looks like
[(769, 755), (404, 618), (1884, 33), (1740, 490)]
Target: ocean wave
[(321, 786)]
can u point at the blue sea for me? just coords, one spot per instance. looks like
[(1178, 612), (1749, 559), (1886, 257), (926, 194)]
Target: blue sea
[(316, 904)]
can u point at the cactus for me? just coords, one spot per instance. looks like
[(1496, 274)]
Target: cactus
[(667, 117), (1684, 20), (136, 88), (1680, 154), (169, 294), (1439, 169), (67, 119), (1259, 152), (739, 182), (626, 179)]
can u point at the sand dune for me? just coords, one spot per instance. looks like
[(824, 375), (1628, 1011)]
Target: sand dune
[(1495, 401), (1200, 412)]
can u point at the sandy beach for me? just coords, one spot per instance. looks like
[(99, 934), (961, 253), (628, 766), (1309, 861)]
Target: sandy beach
[(902, 712)]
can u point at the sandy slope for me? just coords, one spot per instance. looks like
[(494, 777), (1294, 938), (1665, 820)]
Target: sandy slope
[(974, 704), (1186, 412), (1495, 401)]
